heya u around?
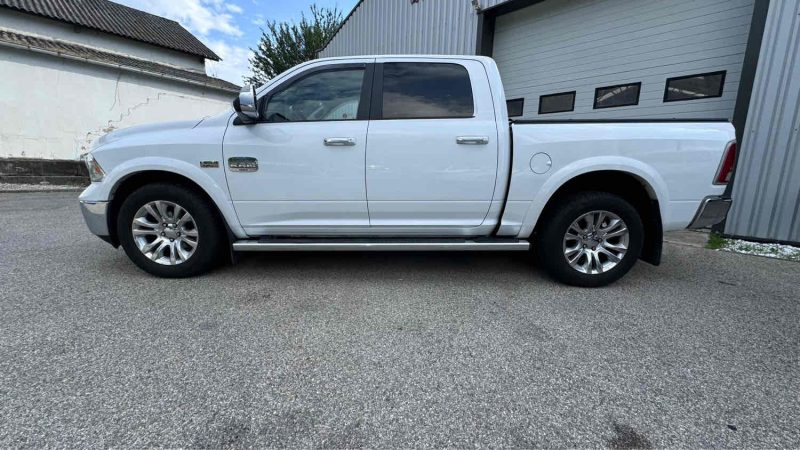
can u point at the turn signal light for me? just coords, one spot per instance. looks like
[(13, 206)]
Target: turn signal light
[(725, 170), (96, 172)]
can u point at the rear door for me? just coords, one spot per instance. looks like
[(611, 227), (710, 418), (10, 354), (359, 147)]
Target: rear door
[(301, 169), (432, 145)]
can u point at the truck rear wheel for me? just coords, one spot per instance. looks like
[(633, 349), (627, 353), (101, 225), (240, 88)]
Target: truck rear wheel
[(169, 231), (590, 239)]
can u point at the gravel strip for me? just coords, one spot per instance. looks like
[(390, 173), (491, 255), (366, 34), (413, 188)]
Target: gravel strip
[(8, 187)]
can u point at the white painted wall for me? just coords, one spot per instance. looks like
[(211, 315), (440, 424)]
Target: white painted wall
[(52, 107), (52, 29)]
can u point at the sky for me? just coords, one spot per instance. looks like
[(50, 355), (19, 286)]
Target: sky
[(231, 27)]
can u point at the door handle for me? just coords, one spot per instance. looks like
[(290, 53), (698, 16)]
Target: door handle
[(340, 141), (472, 140)]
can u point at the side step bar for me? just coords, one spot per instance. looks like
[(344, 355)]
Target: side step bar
[(405, 245)]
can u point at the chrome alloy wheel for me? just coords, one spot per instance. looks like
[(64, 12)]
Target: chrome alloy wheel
[(165, 232), (596, 242)]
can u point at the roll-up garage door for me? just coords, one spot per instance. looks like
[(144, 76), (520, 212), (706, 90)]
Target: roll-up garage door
[(596, 59)]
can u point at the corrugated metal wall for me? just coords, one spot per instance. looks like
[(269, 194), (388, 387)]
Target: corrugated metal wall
[(580, 45), (766, 193), (446, 27)]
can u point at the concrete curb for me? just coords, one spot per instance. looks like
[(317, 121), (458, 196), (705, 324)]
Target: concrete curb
[(28, 191), (691, 238), (33, 171)]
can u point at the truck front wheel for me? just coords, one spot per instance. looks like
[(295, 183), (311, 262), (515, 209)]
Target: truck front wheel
[(169, 231), (590, 239)]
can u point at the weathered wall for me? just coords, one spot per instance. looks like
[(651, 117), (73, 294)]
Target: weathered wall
[(54, 108)]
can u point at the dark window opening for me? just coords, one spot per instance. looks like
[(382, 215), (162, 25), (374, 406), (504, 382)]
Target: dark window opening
[(695, 87), (515, 107), (556, 103), (426, 91), (619, 95)]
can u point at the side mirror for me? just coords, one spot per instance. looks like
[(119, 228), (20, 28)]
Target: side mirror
[(246, 106)]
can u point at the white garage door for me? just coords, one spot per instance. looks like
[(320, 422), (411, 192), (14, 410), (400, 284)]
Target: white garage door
[(578, 46)]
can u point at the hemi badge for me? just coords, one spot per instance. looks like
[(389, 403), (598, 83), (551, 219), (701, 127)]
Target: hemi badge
[(209, 164), (243, 164)]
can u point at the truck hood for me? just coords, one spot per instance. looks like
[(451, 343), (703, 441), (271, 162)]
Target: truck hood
[(148, 128)]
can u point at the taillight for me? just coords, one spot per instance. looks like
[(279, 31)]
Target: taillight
[(725, 170)]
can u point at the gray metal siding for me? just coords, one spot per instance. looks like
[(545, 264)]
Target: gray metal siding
[(446, 27), (558, 46), (766, 192)]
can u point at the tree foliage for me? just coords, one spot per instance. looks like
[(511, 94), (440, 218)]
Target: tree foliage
[(286, 44)]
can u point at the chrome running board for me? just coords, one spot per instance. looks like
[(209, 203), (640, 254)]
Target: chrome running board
[(363, 244)]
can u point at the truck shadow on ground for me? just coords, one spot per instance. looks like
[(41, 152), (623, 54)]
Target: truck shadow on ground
[(390, 263)]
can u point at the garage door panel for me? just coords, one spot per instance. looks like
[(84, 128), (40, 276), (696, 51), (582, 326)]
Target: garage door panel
[(554, 47), (642, 20), (590, 80), (699, 41), (640, 63)]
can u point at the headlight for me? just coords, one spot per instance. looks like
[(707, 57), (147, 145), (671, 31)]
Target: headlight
[(96, 172)]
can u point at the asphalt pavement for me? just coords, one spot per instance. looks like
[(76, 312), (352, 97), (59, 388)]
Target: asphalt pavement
[(386, 349)]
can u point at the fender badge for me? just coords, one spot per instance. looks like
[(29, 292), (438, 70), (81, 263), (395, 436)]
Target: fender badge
[(209, 164), (243, 164)]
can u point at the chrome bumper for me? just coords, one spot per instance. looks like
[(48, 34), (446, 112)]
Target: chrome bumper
[(94, 213), (712, 211)]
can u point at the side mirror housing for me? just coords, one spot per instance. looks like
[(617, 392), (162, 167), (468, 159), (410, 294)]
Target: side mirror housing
[(246, 106)]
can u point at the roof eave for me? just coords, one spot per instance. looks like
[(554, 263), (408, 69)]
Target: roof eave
[(120, 67), (209, 54)]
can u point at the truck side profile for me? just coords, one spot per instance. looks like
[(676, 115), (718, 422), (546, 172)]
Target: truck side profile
[(403, 153)]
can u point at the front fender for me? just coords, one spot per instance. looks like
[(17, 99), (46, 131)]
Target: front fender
[(211, 181), (646, 173)]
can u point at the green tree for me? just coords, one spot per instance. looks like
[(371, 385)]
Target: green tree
[(286, 44)]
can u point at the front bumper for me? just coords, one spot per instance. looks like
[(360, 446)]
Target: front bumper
[(96, 217), (712, 211)]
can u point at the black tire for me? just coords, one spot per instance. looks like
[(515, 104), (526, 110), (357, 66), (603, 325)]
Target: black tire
[(549, 241), (211, 233)]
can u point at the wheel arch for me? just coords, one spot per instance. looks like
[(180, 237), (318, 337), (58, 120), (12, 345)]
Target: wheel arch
[(633, 188), (134, 180)]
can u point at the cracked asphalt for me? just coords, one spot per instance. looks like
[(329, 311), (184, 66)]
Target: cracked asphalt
[(386, 349)]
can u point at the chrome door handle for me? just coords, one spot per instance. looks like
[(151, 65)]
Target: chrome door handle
[(340, 142), (472, 140)]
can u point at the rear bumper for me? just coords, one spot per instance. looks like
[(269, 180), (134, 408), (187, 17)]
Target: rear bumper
[(712, 211), (95, 215)]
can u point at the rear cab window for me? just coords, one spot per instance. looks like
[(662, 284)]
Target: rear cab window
[(426, 90)]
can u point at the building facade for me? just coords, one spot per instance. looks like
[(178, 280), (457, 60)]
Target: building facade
[(628, 59), (73, 71)]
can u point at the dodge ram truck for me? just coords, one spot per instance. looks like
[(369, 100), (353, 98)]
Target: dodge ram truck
[(407, 153)]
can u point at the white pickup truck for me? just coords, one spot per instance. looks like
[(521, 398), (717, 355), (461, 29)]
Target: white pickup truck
[(403, 153)]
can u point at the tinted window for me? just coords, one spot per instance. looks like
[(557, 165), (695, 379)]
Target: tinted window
[(555, 103), (329, 95), (515, 107), (426, 90), (620, 95), (695, 87)]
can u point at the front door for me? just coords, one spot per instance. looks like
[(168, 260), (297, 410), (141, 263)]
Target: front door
[(300, 170), (433, 147)]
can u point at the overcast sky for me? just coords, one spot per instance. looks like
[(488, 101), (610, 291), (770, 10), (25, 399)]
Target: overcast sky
[(231, 27)]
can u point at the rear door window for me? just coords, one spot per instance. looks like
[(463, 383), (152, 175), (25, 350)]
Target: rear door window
[(426, 91)]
